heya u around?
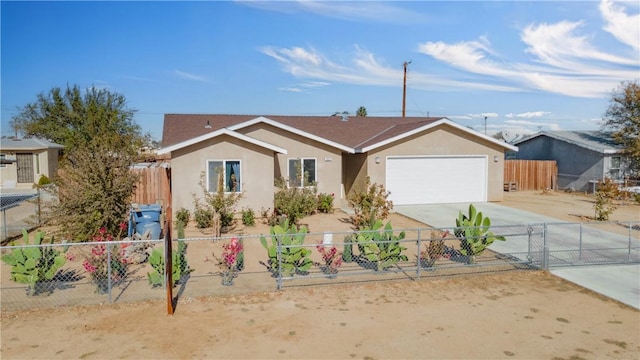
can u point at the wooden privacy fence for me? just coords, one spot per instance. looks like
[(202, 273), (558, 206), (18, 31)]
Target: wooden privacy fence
[(155, 184), (531, 174)]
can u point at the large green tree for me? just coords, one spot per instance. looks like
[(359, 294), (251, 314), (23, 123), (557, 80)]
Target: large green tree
[(94, 188), (623, 119), (74, 118), (94, 181)]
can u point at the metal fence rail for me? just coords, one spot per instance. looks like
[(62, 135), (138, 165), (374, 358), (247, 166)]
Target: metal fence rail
[(16, 212), (118, 272)]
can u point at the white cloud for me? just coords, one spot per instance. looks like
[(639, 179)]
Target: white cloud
[(560, 46), (365, 69), (189, 76), (562, 58), (625, 28), (528, 115), (564, 61), (349, 11)]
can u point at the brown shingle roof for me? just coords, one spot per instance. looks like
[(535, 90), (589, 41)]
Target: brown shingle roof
[(355, 132)]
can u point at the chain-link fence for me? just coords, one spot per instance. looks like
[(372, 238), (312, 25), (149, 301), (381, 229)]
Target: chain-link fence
[(17, 211), (117, 271)]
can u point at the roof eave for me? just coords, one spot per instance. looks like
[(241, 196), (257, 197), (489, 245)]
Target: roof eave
[(433, 125), (572, 142), (293, 130), (223, 131)]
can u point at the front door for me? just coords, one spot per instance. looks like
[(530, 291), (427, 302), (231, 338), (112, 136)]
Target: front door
[(24, 163)]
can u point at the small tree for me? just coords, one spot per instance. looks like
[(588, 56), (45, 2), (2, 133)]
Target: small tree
[(216, 203), (605, 194), (369, 203), (362, 111)]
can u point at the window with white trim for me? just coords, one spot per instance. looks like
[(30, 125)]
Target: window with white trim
[(615, 162), (302, 172), (614, 167), (225, 173)]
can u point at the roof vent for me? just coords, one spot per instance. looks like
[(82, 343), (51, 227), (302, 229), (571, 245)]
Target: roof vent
[(208, 126), (345, 116)]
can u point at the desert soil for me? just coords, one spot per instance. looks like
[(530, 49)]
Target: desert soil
[(516, 314)]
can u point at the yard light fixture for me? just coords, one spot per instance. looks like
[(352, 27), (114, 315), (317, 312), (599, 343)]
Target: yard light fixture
[(377, 159), (495, 158)]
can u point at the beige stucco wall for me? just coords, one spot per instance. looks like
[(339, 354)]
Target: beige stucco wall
[(445, 140), (355, 174), (256, 170), (8, 172), (328, 159)]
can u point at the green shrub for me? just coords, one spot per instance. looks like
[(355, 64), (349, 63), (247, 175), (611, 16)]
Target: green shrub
[(203, 217), (248, 217), (294, 203), (325, 203), (369, 204), (218, 202), (183, 215)]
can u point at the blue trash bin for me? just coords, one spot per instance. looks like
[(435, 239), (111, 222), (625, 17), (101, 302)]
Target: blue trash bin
[(147, 217)]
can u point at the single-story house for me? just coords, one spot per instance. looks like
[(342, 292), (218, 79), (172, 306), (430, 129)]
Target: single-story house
[(418, 160), (583, 157), (23, 161)]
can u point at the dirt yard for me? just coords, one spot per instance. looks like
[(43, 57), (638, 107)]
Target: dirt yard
[(519, 314)]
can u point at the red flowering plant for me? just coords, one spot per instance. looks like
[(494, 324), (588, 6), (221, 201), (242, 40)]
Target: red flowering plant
[(331, 257), (97, 262), (232, 258), (231, 261)]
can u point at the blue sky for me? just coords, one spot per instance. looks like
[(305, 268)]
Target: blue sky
[(524, 65)]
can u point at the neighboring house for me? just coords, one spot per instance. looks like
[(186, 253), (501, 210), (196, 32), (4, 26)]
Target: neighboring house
[(23, 161), (583, 157), (419, 160)]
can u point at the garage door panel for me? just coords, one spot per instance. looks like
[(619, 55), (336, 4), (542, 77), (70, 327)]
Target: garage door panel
[(431, 180)]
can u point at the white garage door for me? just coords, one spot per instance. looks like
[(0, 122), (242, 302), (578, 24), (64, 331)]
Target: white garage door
[(437, 179)]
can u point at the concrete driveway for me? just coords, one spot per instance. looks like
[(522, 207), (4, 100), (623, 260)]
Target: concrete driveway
[(619, 282)]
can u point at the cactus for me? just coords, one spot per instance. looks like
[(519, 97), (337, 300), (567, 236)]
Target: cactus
[(179, 265), (240, 259), (473, 232), (382, 249), (347, 253), (294, 257), (34, 265)]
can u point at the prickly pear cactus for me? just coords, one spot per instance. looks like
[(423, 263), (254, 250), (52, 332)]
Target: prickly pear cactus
[(381, 249), (294, 257), (473, 232), (34, 264), (179, 265)]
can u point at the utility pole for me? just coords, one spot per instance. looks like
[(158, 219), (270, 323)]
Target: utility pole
[(404, 88), (485, 125)]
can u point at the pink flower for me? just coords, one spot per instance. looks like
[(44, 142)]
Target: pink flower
[(89, 267)]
